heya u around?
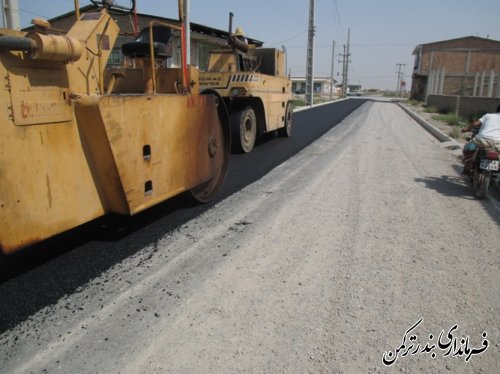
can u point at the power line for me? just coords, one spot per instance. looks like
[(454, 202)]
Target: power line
[(285, 8), (293, 37), (32, 13), (337, 21), (283, 12)]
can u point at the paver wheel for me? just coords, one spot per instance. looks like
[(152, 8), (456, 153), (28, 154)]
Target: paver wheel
[(286, 131), (480, 183), (243, 130)]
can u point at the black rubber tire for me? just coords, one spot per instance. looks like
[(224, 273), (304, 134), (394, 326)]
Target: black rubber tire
[(286, 131), (243, 130), (481, 183)]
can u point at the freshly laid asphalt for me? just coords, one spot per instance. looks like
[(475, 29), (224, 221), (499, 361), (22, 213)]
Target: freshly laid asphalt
[(39, 276)]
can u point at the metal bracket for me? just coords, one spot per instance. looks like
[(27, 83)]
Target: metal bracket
[(8, 88), (7, 82)]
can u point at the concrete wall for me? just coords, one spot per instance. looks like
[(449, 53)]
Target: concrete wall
[(467, 107), (477, 106), (443, 103)]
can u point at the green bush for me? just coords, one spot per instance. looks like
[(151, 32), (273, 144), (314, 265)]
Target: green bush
[(414, 102), (455, 132), (430, 109), (450, 118), (389, 94), (298, 102)]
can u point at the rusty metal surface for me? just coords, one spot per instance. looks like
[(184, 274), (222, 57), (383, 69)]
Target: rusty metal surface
[(47, 182), (55, 47), (47, 186), (69, 154), (179, 130), (39, 96)]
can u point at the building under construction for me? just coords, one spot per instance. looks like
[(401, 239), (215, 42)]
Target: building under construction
[(468, 66)]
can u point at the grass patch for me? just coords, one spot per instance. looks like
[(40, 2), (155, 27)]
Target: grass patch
[(389, 94), (450, 118), (414, 102), (298, 102), (430, 109), (455, 132)]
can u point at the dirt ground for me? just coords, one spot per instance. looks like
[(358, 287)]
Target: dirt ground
[(321, 266), (454, 133), (441, 125)]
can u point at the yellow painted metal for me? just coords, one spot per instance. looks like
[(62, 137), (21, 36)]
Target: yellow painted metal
[(273, 92), (177, 131), (77, 10), (267, 82), (69, 154), (55, 47), (46, 184), (38, 94), (97, 32), (152, 52), (224, 61)]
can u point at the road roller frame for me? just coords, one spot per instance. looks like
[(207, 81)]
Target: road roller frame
[(75, 146)]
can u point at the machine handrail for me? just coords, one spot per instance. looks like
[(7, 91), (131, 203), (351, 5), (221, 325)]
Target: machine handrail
[(151, 51)]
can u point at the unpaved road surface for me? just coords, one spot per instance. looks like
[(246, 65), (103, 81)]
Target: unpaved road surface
[(320, 266)]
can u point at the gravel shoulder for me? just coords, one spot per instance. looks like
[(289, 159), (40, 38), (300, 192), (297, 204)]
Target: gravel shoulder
[(457, 139), (441, 125), (320, 266)]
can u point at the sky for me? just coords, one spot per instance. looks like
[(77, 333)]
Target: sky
[(383, 33)]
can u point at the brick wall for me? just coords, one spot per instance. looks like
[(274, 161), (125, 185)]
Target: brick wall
[(461, 59)]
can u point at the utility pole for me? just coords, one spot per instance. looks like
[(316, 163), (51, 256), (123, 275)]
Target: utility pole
[(10, 13), (400, 65), (343, 70), (331, 72), (345, 64), (309, 58)]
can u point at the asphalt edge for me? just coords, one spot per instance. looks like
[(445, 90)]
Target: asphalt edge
[(306, 107)]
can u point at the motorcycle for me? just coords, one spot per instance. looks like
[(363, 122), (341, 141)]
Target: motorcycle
[(484, 166)]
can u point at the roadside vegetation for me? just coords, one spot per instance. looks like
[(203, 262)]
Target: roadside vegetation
[(451, 119), (414, 102), (389, 94), (430, 109), (451, 123), (298, 102)]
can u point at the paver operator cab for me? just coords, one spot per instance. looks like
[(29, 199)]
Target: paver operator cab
[(255, 87)]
